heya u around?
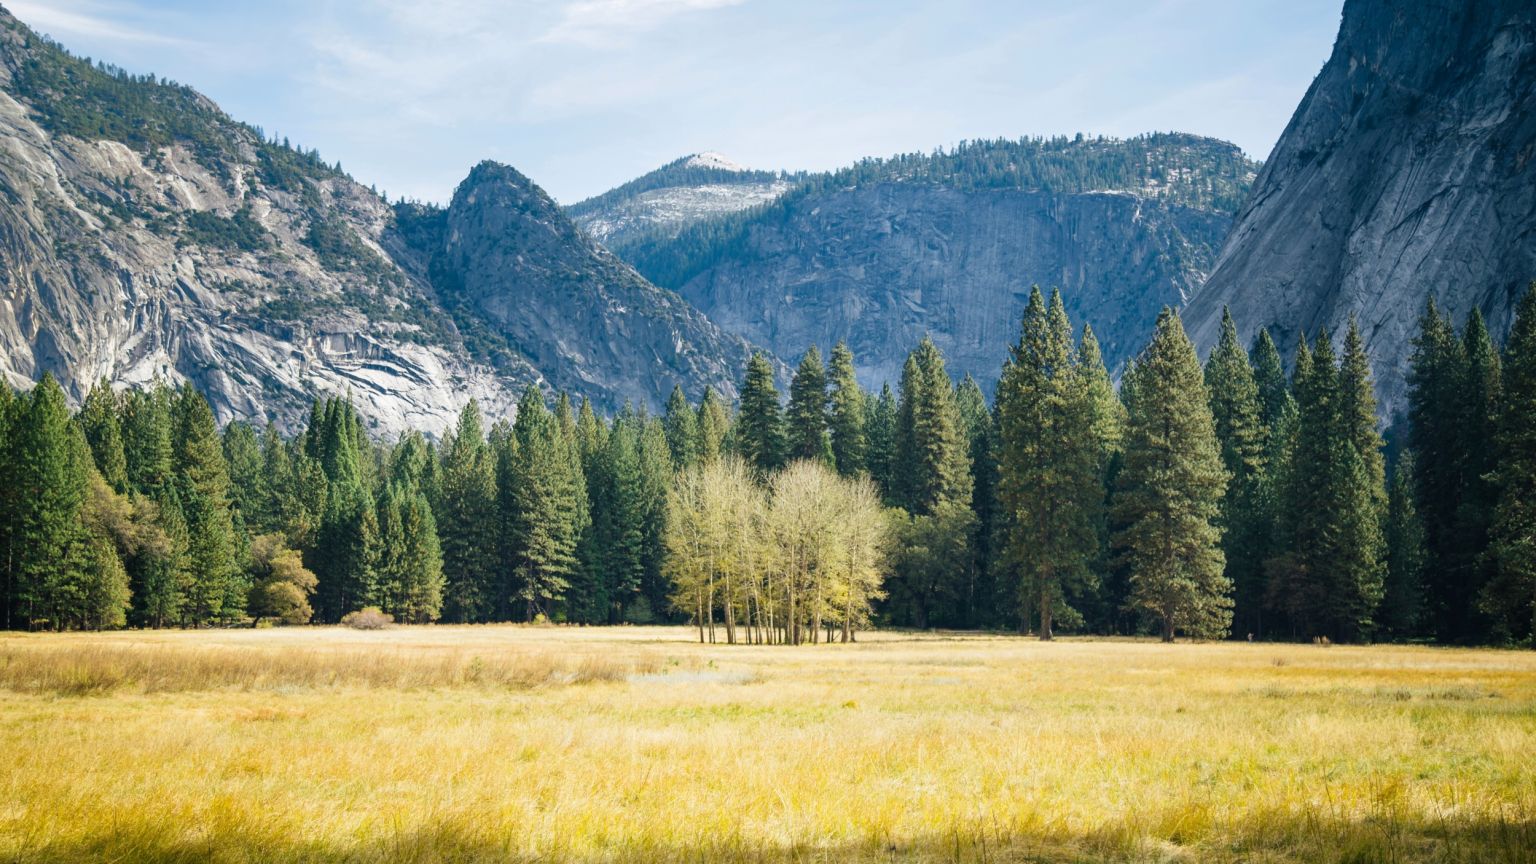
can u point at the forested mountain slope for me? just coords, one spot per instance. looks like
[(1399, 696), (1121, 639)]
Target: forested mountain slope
[(1408, 171), (948, 244), (681, 193)]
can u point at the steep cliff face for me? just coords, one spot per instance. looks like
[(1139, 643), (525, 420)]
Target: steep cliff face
[(679, 194), (145, 234), (950, 245), (1409, 170), (884, 265)]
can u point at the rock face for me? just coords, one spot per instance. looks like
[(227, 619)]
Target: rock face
[(505, 252), (1409, 170), (145, 234), (881, 257), (675, 196)]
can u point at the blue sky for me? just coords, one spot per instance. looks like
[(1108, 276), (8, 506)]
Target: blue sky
[(582, 95)]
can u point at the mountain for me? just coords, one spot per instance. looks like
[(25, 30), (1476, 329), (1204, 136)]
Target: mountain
[(1408, 170), (144, 233), (505, 254), (949, 243), (676, 195)]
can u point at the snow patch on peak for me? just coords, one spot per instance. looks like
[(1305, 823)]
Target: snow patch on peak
[(711, 159)]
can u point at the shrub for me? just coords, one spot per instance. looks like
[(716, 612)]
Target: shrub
[(368, 618)]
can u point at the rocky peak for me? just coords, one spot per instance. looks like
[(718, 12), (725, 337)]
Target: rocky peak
[(680, 194)]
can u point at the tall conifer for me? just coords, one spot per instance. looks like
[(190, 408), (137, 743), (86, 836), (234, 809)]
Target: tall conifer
[(848, 413), (806, 423), (682, 426), (1510, 597), (760, 423), (1169, 498), (1241, 432), (217, 588), (1050, 463), (465, 508)]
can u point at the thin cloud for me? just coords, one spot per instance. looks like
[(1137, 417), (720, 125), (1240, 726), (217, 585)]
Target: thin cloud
[(86, 20), (600, 23)]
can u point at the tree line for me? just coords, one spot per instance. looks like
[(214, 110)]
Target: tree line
[(1229, 498)]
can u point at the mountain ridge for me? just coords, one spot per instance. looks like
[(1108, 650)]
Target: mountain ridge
[(948, 243), (147, 234)]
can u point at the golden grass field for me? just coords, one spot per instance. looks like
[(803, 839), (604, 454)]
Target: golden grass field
[(637, 744)]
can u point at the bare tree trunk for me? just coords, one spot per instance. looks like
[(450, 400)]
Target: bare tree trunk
[(730, 616), (1045, 610)]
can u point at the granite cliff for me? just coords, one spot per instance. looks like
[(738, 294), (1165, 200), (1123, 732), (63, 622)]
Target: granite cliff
[(1408, 171)]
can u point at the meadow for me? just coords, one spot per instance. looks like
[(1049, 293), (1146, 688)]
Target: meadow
[(508, 743)]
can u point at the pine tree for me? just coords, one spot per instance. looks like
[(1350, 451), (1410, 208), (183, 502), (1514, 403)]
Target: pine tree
[(1108, 596), (880, 440), (655, 480), (1240, 430), (1509, 599), (1050, 464), (930, 453), (409, 461), (1169, 492), (465, 509), (1357, 410), (806, 421), (410, 565), (1274, 392), (546, 505), (50, 475), (1402, 606), (1364, 555), (714, 423), (10, 408), (1328, 578), (146, 430), (848, 413), (503, 445), (587, 599), (250, 484), (979, 600), (345, 555), (932, 478), (98, 420), (1436, 378), (760, 423), (1277, 413), (619, 519), (217, 590), (565, 419), (420, 589), (682, 426), (1478, 413), (159, 575)]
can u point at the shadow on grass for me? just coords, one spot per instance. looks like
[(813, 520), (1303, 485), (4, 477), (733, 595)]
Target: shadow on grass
[(1262, 839)]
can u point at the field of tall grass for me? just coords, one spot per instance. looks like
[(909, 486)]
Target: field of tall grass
[(637, 744)]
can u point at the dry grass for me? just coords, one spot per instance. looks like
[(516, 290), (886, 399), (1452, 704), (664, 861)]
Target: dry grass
[(633, 744), (94, 670)]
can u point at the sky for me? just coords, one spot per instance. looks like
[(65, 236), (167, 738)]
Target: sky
[(582, 95)]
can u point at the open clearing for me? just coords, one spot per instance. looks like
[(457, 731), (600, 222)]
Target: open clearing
[(638, 744)]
